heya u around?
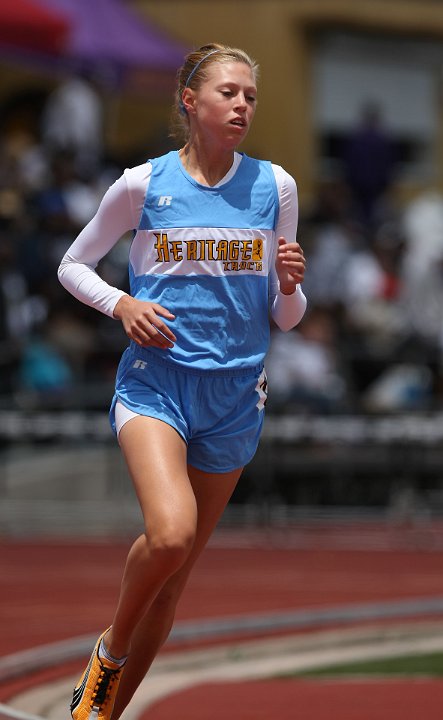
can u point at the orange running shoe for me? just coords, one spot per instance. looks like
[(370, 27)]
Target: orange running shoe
[(95, 692)]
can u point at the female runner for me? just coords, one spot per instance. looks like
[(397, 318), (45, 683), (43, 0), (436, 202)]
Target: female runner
[(214, 251)]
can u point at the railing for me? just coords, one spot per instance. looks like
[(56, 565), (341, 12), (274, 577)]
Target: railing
[(383, 463), (424, 428)]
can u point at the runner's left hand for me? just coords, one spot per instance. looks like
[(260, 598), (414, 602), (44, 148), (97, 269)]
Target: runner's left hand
[(290, 265)]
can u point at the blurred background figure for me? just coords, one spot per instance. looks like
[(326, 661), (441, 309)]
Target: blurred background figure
[(304, 370), (72, 121), (368, 164), (423, 268)]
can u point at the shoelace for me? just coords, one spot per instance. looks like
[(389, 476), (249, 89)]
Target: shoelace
[(104, 685)]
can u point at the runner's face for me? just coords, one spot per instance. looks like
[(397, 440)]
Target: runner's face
[(225, 103)]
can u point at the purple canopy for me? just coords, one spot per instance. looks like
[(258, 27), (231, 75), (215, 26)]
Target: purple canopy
[(107, 36), (107, 30)]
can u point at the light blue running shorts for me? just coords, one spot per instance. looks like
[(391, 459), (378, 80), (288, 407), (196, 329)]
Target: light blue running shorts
[(219, 416)]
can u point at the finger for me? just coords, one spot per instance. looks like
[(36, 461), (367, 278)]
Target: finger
[(157, 323), (290, 247), (149, 335), (294, 267), (163, 335), (293, 245), (163, 330), (287, 255), (293, 254), (149, 325), (296, 275), (160, 310), (157, 338), (294, 264)]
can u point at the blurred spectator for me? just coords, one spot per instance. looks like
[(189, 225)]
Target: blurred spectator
[(372, 287), (25, 162), (329, 237), (63, 206), (9, 346), (330, 247), (43, 369), (401, 387), (72, 337), (423, 268), (368, 162), (44, 201), (73, 120), (390, 370), (303, 368)]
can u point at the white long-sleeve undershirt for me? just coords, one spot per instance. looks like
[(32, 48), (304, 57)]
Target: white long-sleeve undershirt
[(119, 213)]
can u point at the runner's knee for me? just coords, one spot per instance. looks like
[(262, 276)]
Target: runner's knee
[(171, 544)]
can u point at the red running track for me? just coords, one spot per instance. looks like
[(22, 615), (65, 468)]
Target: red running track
[(305, 700), (52, 591), (55, 590)]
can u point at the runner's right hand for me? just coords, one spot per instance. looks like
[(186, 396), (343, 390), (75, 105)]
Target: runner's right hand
[(142, 322)]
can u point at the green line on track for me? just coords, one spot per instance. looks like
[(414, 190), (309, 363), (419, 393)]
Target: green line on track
[(422, 665)]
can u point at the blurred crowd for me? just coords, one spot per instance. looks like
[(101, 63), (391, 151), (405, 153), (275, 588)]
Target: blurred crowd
[(54, 351), (372, 338)]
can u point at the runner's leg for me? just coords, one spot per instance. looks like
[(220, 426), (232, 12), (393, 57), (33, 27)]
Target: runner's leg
[(212, 492), (156, 457)]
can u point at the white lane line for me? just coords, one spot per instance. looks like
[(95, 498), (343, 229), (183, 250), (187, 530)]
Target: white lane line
[(8, 713)]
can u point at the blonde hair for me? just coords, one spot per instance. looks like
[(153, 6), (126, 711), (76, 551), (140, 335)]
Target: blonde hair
[(193, 73)]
